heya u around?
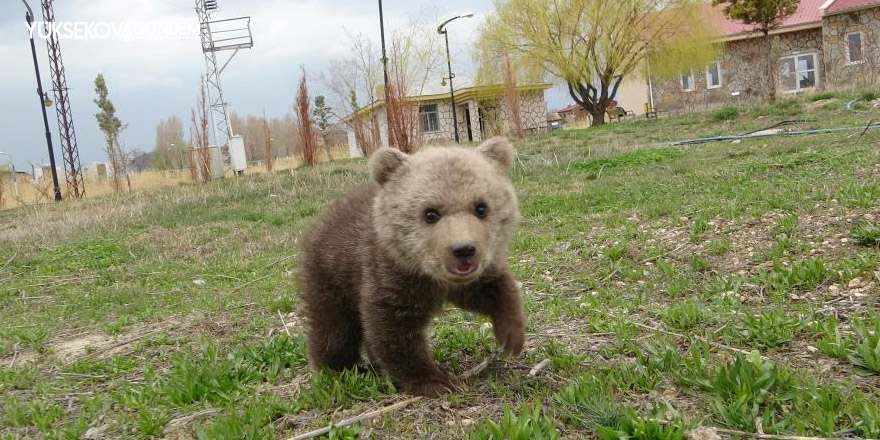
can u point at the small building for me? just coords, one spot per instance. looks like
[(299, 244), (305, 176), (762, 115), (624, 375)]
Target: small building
[(824, 45), (574, 115), (481, 111)]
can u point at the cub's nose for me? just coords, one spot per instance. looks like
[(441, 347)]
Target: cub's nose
[(464, 249)]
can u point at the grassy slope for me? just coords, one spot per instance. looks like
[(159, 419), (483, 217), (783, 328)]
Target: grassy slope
[(638, 265)]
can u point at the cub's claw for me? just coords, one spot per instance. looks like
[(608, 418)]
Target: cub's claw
[(510, 336), (434, 387)]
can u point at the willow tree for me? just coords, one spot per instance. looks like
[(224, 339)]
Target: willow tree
[(592, 45)]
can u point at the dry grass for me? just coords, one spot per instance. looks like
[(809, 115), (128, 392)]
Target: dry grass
[(25, 192)]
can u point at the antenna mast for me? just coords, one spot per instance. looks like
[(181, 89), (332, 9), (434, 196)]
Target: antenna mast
[(220, 35), (72, 165)]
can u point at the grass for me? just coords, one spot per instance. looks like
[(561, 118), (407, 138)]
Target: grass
[(726, 114), (867, 234), (173, 312)]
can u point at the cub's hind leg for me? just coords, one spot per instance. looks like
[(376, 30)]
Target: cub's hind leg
[(334, 336), (333, 323)]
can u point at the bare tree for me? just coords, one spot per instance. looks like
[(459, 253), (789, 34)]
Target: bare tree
[(355, 81), (139, 160), (267, 143), (170, 150), (414, 56), (200, 155), (308, 140)]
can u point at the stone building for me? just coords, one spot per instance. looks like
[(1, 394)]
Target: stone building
[(481, 111), (825, 45)]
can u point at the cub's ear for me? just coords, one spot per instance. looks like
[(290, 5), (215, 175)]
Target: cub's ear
[(384, 163), (500, 152)]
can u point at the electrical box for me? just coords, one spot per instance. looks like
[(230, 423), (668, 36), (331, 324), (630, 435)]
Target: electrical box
[(217, 166), (236, 154)]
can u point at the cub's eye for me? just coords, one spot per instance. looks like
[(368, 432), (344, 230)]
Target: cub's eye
[(432, 216), (481, 210)]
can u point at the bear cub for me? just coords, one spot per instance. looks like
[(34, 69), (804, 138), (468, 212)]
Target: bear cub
[(379, 264)]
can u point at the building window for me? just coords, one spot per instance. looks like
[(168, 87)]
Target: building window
[(854, 48), (687, 82), (430, 118), (713, 76), (798, 72)]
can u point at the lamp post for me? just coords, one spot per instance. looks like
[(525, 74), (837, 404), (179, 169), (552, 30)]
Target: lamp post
[(442, 30), (44, 102), (384, 67)]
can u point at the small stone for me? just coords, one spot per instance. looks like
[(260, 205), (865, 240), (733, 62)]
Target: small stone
[(703, 433), (96, 433), (855, 283), (812, 349), (199, 282), (467, 422), (834, 288)]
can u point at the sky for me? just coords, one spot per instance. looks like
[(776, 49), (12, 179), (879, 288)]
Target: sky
[(150, 79)]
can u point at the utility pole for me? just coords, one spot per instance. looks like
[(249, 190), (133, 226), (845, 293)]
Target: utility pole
[(69, 148)]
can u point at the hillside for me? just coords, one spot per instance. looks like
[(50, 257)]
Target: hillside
[(707, 284)]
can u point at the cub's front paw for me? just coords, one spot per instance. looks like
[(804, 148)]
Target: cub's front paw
[(510, 335), (434, 387)]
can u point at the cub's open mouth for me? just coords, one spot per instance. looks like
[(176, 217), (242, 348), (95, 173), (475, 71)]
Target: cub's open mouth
[(463, 269)]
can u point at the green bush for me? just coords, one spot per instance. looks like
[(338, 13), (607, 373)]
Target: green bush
[(726, 114), (824, 95)]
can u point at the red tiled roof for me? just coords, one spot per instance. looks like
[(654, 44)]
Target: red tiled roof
[(807, 12), (571, 107), (845, 5)]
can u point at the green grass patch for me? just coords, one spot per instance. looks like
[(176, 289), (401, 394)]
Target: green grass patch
[(726, 114)]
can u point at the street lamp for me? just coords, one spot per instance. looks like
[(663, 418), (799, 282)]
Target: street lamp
[(384, 70), (44, 102), (441, 30)]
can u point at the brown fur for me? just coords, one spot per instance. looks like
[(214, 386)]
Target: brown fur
[(374, 271)]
